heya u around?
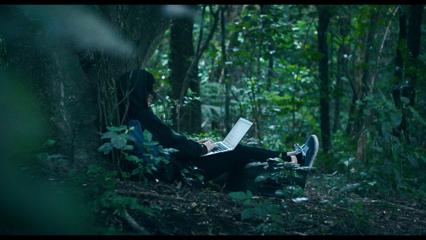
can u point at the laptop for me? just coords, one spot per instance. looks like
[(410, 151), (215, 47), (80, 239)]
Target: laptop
[(233, 138)]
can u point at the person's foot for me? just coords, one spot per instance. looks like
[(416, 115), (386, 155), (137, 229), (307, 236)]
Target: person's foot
[(307, 153)]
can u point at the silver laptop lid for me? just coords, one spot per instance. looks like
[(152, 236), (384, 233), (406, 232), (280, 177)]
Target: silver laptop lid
[(237, 132)]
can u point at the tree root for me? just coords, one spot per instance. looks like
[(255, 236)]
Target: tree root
[(132, 222)]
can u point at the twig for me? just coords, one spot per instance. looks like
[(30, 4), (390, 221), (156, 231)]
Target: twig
[(135, 186), (149, 194), (411, 219), (398, 205), (132, 222), (378, 61), (299, 233)]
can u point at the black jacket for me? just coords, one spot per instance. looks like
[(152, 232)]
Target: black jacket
[(138, 110)]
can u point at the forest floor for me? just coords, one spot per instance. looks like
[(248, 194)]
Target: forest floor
[(327, 209)]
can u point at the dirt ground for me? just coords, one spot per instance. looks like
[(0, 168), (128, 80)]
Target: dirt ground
[(186, 211)]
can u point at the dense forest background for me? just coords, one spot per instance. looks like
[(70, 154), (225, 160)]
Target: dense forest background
[(352, 74)]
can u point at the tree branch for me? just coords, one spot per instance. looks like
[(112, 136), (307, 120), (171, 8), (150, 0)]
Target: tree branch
[(148, 194), (198, 54)]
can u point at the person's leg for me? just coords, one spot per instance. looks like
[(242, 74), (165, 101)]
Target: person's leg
[(215, 165), (136, 136), (232, 162)]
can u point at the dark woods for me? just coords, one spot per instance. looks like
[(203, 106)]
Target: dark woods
[(353, 75)]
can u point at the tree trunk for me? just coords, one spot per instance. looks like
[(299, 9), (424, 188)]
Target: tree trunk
[(65, 74), (413, 42), (342, 67), (360, 83), (270, 47), (227, 118), (399, 69), (323, 21), (181, 54), (408, 69), (402, 37)]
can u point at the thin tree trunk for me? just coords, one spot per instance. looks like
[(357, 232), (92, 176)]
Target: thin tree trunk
[(410, 68), (413, 41), (227, 118), (270, 48), (186, 82), (361, 123), (361, 82), (181, 54), (323, 21), (342, 67), (402, 37)]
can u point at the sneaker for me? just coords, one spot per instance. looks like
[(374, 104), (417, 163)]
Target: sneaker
[(308, 151)]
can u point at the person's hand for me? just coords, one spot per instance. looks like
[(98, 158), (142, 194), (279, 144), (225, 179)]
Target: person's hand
[(209, 144), (203, 140)]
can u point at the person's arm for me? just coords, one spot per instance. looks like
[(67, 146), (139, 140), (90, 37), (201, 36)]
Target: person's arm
[(138, 109), (167, 137)]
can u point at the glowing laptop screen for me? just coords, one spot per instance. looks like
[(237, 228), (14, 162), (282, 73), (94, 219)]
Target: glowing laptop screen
[(237, 132)]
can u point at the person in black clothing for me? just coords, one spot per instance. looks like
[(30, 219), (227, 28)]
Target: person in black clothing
[(135, 93)]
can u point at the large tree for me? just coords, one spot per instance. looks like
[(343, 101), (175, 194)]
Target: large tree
[(184, 67), (67, 53), (188, 117), (406, 62), (323, 21)]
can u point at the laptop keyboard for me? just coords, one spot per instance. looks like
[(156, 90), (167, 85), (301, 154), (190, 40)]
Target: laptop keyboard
[(219, 147)]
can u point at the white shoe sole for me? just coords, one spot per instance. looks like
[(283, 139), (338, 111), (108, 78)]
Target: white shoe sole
[(314, 156)]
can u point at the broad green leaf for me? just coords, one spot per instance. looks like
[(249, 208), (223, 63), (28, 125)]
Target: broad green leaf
[(405, 100), (413, 161), (249, 194), (255, 164), (238, 195), (119, 141), (147, 136), (105, 148), (49, 142), (417, 116), (247, 213), (117, 129), (136, 171), (280, 193), (260, 210), (128, 147), (109, 134), (260, 178), (133, 158)]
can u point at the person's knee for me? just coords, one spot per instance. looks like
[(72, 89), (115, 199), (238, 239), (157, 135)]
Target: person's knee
[(240, 148)]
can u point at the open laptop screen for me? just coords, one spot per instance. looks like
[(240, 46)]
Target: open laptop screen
[(237, 132)]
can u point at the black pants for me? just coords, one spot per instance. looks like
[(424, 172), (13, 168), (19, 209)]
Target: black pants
[(232, 162)]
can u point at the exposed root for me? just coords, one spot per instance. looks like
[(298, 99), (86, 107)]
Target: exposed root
[(132, 222)]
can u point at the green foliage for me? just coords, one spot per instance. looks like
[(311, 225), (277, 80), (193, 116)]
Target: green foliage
[(259, 209), (253, 85), (154, 157), (192, 176), (392, 165), (289, 177), (286, 179), (117, 138), (100, 187), (398, 162), (272, 67)]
